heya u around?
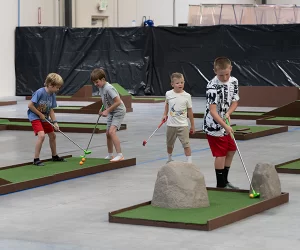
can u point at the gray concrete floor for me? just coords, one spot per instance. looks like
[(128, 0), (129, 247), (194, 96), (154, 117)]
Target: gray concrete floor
[(74, 214)]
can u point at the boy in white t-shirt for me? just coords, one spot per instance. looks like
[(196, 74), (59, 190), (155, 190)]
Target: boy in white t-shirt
[(178, 107)]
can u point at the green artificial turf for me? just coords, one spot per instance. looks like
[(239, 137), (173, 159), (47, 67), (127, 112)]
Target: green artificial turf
[(31, 172), (120, 89), (252, 129), (69, 107), (292, 165), (61, 125), (285, 118), (221, 203)]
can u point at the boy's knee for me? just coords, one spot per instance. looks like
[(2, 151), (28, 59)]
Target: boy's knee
[(41, 136), (52, 136)]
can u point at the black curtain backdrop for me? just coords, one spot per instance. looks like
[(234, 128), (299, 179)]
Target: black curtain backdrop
[(142, 59)]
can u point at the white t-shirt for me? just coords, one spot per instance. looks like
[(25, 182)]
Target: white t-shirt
[(178, 105), (221, 94)]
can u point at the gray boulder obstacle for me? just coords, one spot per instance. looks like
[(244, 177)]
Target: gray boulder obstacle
[(180, 185)]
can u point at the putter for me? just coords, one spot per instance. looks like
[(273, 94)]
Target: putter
[(102, 107), (162, 122), (255, 194), (86, 152)]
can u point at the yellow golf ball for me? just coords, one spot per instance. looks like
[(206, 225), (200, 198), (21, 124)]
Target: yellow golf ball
[(83, 159), (251, 195)]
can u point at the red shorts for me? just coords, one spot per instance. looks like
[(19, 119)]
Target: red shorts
[(221, 145), (38, 126)]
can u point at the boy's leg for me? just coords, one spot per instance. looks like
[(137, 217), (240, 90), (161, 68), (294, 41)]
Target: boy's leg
[(116, 122), (109, 142), (39, 132), (228, 160), (183, 135), (52, 141), (171, 138), (219, 169)]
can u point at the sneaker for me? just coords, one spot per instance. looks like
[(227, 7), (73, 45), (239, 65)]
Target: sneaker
[(169, 161), (117, 158), (109, 157), (230, 186), (38, 163), (57, 158)]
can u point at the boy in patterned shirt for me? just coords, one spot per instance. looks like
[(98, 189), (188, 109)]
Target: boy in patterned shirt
[(222, 97), (178, 106)]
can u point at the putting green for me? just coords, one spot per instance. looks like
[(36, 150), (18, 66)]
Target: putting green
[(31, 172), (120, 89), (285, 118), (252, 129), (69, 107), (292, 165), (221, 203), (61, 125)]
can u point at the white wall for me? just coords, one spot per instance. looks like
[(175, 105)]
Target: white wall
[(9, 21), (297, 2)]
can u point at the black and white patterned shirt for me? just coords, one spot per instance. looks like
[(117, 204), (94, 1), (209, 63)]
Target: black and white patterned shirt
[(221, 94)]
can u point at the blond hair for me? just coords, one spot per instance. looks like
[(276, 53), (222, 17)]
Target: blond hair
[(176, 75), (54, 79), (222, 63), (97, 74)]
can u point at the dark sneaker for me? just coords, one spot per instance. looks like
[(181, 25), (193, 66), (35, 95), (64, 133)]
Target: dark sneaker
[(57, 158), (230, 186), (38, 163)]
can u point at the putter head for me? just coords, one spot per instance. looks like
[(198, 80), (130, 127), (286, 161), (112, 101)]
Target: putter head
[(87, 152), (144, 143), (256, 195)]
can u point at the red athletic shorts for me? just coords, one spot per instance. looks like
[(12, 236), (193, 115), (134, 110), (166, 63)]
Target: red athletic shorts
[(221, 145), (38, 126)]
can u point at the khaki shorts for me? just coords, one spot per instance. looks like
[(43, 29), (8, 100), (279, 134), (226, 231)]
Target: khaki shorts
[(181, 132)]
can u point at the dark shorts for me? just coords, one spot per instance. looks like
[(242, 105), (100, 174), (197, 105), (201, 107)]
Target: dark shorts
[(221, 145)]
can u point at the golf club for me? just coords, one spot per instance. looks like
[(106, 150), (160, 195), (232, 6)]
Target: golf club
[(86, 152), (255, 194), (162, 122)]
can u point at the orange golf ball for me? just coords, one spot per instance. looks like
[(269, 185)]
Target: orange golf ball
[(81, 162), (83, 159)]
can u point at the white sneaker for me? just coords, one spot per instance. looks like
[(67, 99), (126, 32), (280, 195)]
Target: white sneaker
[(109, 157), (117, 158)]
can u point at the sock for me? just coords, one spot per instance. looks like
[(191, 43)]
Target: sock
[(120, 154), (110, 154), (225, 172), (220, 178), (36, 159), (54, 156), (189, 159), (170, 157)]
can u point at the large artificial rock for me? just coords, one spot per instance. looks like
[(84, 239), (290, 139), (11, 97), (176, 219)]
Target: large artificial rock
[(180, 185), (265, 180)]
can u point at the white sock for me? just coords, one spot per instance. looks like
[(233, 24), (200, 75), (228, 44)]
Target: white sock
[(189, 159), (120, 154), (170, 157), (110, 154)]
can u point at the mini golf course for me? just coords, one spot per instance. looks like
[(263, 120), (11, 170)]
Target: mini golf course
[(26, 175), (289, 167), (247, 132), (241, 115), (226, 207), (71, 127)]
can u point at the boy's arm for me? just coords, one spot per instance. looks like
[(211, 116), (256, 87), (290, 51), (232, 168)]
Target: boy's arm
[(214, 113), (117, 102), (35, 110), (191, 117), (165, 112), (231, 109)]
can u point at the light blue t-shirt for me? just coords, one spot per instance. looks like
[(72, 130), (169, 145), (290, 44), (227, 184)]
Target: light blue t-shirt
[(43, 102)]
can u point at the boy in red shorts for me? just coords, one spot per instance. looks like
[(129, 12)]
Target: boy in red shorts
[(40, 108), (221, 100)]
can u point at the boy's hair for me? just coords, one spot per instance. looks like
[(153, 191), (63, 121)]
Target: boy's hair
[(53, 79), (222, 63), (176, 75), (97, 74)]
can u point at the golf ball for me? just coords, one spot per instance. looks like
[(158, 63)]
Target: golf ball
[(83, 159), (251, 195), (81, 162)]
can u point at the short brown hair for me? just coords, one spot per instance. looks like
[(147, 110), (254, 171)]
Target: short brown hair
[(222, 62), (176, 75), (54, 79), (97, 74)]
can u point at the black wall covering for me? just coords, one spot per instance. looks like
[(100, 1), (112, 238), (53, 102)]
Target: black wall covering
[(143, 58)]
